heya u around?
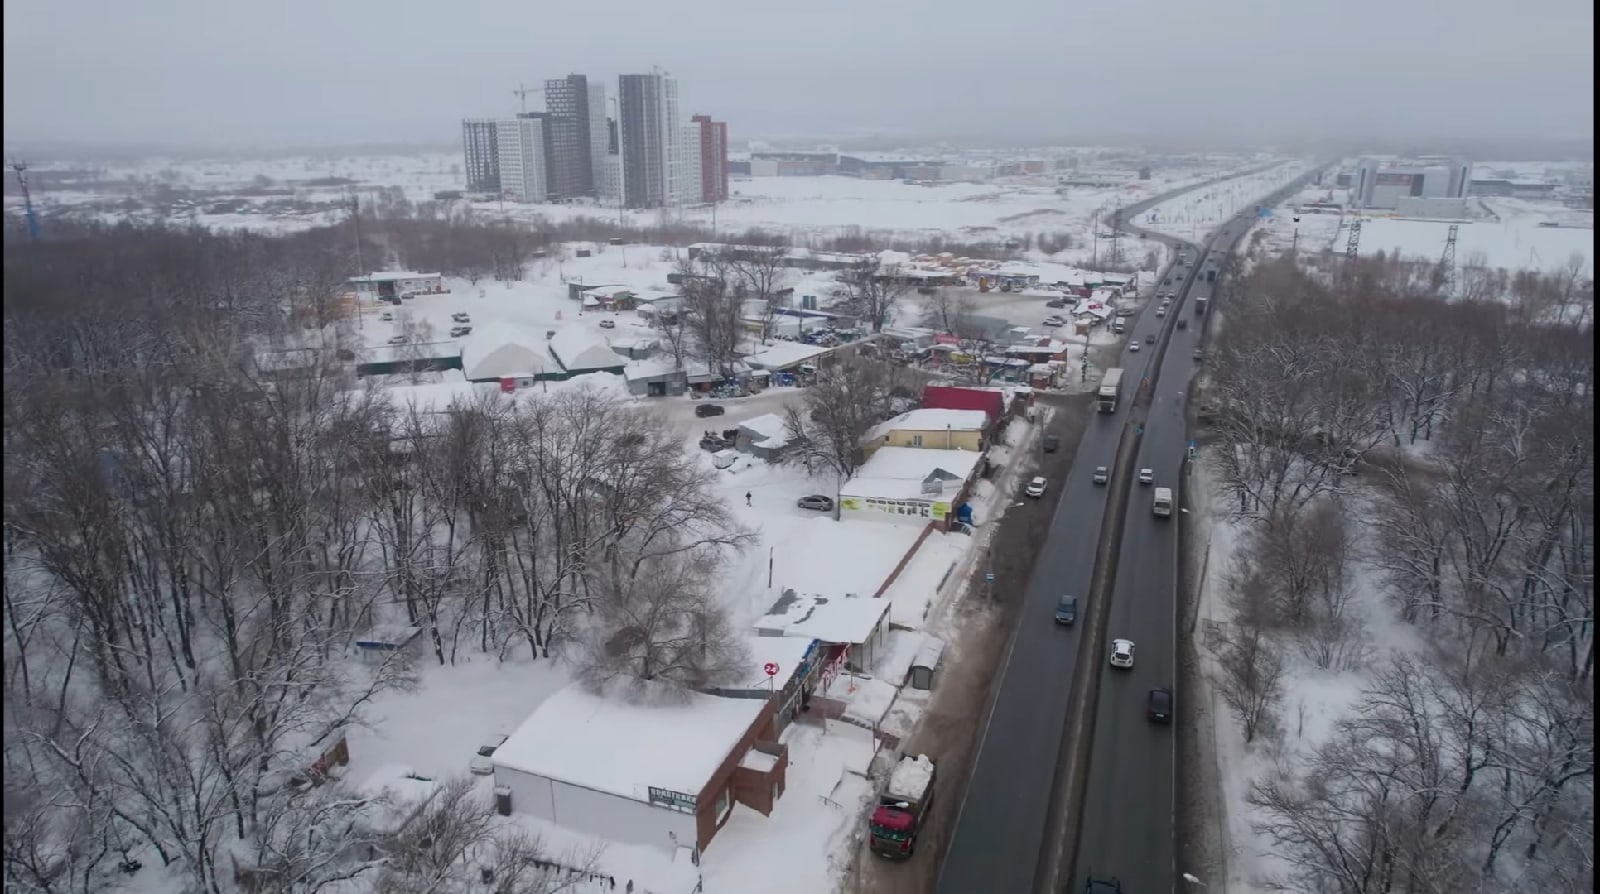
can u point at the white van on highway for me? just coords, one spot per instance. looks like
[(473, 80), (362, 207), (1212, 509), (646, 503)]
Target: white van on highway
[(1162, 506)]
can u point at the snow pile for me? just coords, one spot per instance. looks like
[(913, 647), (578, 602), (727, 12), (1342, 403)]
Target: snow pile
[(911, 778)]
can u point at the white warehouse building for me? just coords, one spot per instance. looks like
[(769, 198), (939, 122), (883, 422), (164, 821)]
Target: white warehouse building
[(1383, 183)]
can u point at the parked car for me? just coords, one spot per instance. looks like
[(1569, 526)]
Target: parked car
[(1067, 610), (387, 316), (1122, 653), (1101, 474), (460, 317), (397, 340), (1158, 705), (458, 331), (1051, 443), (705, 410), (1055, 302), (1036, 487), (608, 324), (817, 502), (711, 443), (1147, 476), (1054, 321)]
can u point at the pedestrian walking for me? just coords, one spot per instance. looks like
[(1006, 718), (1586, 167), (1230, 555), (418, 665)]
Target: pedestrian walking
[(747, 498)]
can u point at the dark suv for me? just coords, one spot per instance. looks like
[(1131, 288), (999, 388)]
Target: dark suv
[(1158, 706), (705, 410)]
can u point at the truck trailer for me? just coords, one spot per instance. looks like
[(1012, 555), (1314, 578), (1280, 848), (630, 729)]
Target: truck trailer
[(902, 808), (1110, 390)]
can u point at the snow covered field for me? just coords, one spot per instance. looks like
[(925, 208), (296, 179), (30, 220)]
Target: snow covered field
[(1516, 241)]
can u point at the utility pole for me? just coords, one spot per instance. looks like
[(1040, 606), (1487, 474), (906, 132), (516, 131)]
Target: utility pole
[(355, 222), (32, 219)]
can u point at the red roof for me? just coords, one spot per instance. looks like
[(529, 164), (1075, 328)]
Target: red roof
[(945, 397), (893, 819)]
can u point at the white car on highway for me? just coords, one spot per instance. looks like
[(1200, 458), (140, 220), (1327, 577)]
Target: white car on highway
[(1122, 653), (1147, 476)]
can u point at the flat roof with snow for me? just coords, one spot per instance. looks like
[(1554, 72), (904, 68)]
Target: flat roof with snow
[(898, 473), (783, 354), (595, 742), (941, 420), (770, 430), (831, 619)]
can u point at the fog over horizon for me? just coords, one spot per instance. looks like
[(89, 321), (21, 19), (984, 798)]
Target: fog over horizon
[(1227, 73)]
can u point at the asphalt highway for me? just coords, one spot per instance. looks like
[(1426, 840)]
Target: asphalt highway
[(1000, 826)]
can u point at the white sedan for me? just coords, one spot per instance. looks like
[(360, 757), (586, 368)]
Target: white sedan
[(1054, 321), (1147, 476), (1122, 653), (1036, 487), (1133, 348)]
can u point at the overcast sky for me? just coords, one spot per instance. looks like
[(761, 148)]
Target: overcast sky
[(339, 71)]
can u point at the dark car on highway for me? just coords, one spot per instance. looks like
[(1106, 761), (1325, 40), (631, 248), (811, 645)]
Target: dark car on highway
[(705, 410), (1158, 706), (1067, 610), (1051, 443)]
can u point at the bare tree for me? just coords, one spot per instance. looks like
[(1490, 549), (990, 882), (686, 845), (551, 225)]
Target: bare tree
[(1252, 679), (659, 623), (713, 310), (758, 269), (830, 425), (872, 291)]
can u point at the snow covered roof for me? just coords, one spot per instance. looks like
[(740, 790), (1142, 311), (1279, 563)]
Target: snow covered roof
[(404, 792), (509, 358), (579, 351), (594, 742), (394, 276), (649, 368), (897, 473), (941, 420), (831, 619), (767, 431), (784, 354), (787, 652), (437, 397), (910, 777)]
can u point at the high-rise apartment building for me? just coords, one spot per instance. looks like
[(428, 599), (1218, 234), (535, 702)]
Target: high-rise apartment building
[(601, 143), (522, 144), (569, 104), (650, 137), (712, 157), (479, 140), (689, 191)]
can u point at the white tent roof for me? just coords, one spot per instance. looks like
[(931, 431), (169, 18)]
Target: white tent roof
[(506, 359), (577, 350)]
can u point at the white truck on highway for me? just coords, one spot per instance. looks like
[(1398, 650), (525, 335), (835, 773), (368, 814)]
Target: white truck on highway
[(1110, 390)]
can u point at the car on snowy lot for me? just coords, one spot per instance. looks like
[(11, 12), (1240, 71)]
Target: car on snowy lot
[(460, 317), (1056, 303), (458, 331), (1053, 321), (705, 410), (1036, 487), (1122, 653), (608, 324), (397, 340), (816, 502), (387, 316)]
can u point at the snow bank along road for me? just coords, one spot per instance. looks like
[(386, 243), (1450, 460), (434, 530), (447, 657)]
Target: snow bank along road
[(1000, 828), (1126, 825)]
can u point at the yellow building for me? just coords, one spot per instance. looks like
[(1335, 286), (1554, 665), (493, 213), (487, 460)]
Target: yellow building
[(933, 429)]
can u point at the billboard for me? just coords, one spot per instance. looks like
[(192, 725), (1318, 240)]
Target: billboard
[(1391, 178)]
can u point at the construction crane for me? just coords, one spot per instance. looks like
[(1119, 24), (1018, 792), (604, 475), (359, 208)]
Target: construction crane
[(1353, 244), (28, 214), (521, 93), (1447, 262)]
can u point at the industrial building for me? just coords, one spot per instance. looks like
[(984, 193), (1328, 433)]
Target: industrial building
[(1381, 183)]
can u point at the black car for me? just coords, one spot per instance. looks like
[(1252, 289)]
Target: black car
[(1055, 302), (1103, 886), (1158, 706), (1051, 443), (1067, 610), (1150, 339), (705, 410)]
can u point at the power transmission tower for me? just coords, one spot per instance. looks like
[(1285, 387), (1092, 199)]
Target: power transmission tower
[(1116, 233), (1447, 262), (28, 215), (521, 93), (1353, 244)]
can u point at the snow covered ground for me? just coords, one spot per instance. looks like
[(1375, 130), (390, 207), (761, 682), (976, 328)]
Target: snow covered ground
[(1515, 234), (1314, 699)]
